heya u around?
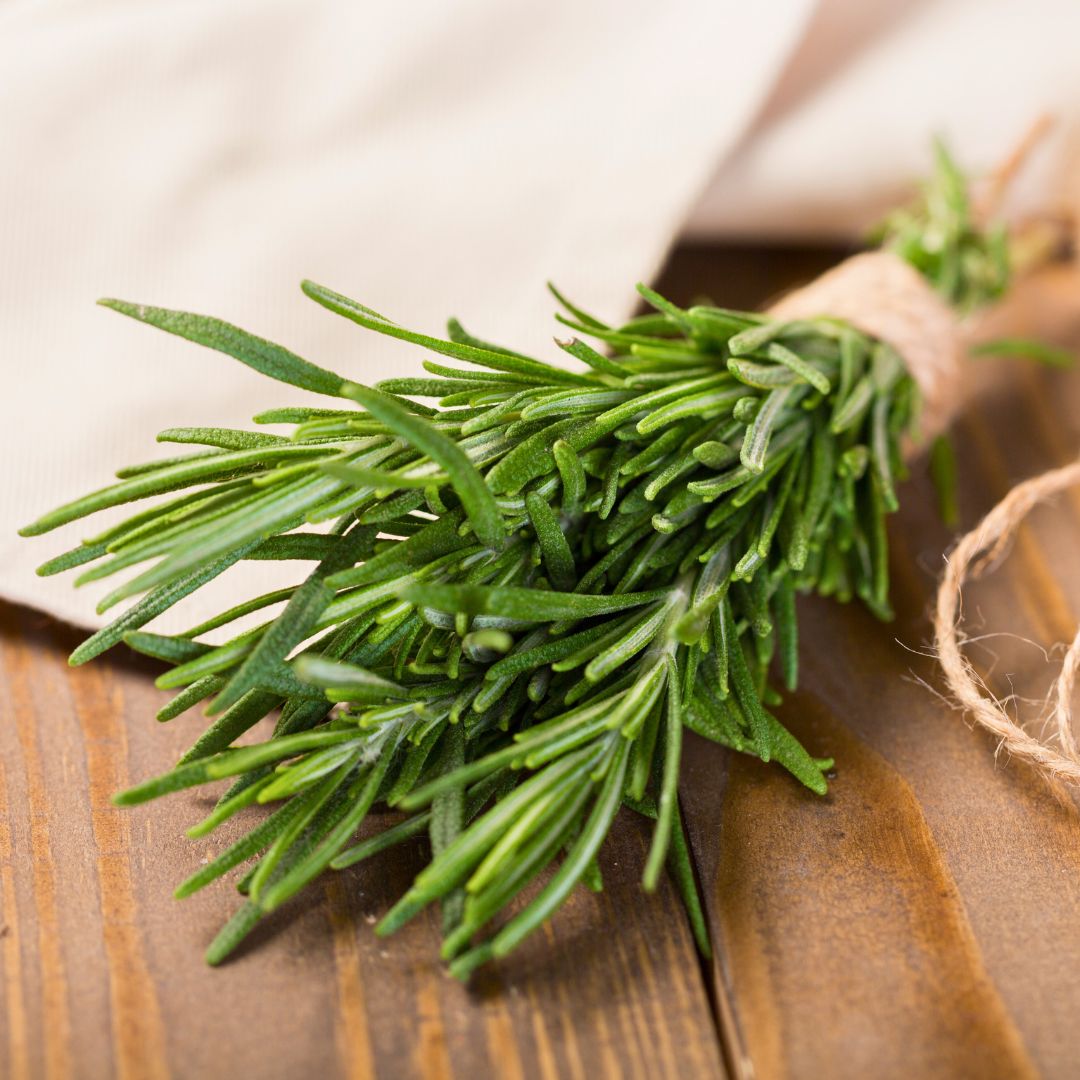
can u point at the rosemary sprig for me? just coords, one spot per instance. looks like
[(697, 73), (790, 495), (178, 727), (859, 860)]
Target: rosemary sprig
[(968, 262), (532, 581)]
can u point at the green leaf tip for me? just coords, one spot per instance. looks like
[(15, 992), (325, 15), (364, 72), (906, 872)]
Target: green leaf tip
[(263, 356), (123, 306)]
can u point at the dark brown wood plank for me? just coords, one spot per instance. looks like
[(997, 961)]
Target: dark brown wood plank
[(923, 918), (102, 971)]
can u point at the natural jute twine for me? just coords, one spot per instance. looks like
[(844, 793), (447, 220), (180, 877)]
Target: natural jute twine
[(990, 536), (885, 298), (888, 299)]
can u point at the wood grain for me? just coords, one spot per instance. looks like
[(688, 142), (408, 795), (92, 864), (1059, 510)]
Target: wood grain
[(920, 920)]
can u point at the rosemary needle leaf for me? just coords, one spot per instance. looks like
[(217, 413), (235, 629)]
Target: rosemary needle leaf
[(756, 443), (197, 469), (388, 838), (1027, 349), (497, 361), (264, 356), (666, 807), (319, 670), (527, 605), (378, 479), (198, 691), (803, 368), (222, 438), (558, 558), (79, 556), (943, 474), (149, 607)]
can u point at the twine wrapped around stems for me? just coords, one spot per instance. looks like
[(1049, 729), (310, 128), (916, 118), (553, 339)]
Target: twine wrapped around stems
[(884, 297), (888, 299)]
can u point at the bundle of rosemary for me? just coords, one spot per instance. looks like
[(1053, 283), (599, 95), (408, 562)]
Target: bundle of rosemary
[(528, 590)]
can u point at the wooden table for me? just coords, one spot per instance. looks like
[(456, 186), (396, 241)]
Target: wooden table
[(923, 919)]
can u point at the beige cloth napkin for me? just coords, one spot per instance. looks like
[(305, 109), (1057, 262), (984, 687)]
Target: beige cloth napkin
[(428, 158)]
